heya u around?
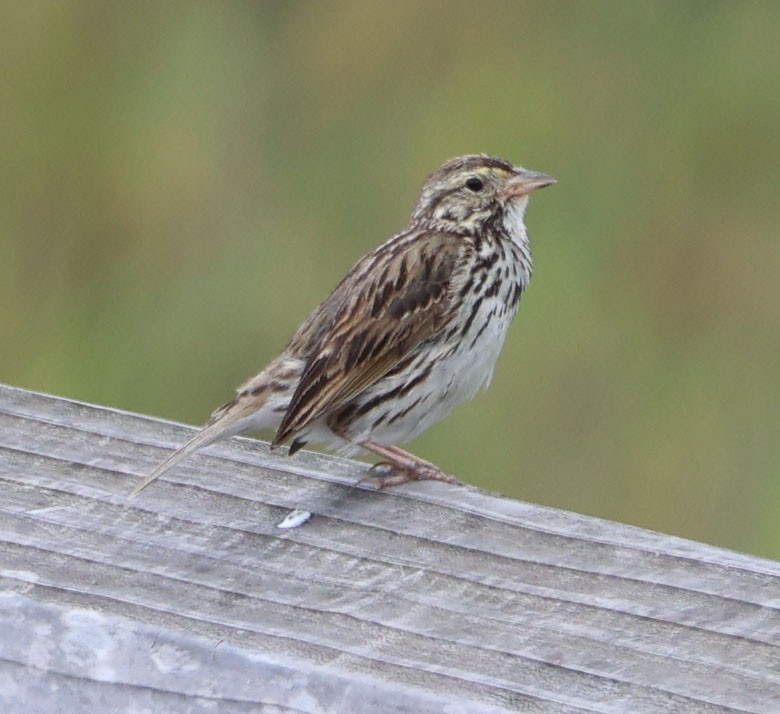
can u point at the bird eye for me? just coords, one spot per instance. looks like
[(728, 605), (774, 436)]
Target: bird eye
[(474, 184)]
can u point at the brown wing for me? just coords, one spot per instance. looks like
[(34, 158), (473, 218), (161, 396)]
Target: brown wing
[(390, 302)]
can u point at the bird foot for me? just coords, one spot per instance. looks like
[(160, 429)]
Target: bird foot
[(389, 473)]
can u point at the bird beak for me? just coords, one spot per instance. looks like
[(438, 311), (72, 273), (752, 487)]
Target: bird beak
[(526, 181)]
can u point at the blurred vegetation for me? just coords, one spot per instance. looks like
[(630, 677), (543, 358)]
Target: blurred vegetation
[(182, 182)]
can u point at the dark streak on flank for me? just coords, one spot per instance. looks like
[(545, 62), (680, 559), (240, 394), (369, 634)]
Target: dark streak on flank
[(492, 291), (404, 412), (474, 309), (485, 323), (517, 291), (398, 391)]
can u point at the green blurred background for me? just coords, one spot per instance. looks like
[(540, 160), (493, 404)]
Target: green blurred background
[(182, 182)]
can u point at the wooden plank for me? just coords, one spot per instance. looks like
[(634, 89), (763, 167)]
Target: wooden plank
[(425, 598)]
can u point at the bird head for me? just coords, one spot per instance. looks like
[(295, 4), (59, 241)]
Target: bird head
[(467, 192)]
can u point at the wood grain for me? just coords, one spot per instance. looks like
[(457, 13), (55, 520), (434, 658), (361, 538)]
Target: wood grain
[(426, 598)]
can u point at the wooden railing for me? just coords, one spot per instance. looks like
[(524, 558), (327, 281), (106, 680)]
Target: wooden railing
[(425, 598)]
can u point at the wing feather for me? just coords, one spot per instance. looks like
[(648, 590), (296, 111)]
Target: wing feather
[(392, 300)]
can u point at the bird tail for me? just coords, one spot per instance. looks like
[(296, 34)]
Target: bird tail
[(227, 421), (259, 404)]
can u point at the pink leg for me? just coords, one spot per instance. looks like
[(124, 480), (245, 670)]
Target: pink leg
[(407, 467)]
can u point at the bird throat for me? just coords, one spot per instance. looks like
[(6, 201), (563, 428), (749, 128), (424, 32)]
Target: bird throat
[(514, 222)]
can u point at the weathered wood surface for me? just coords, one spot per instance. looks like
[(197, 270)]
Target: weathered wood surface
[(426, 598)]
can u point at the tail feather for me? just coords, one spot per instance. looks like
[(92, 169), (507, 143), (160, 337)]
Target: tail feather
[(227, 421), (259, 404)]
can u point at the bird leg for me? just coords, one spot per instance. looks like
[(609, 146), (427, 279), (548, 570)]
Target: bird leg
[(405, 467)]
